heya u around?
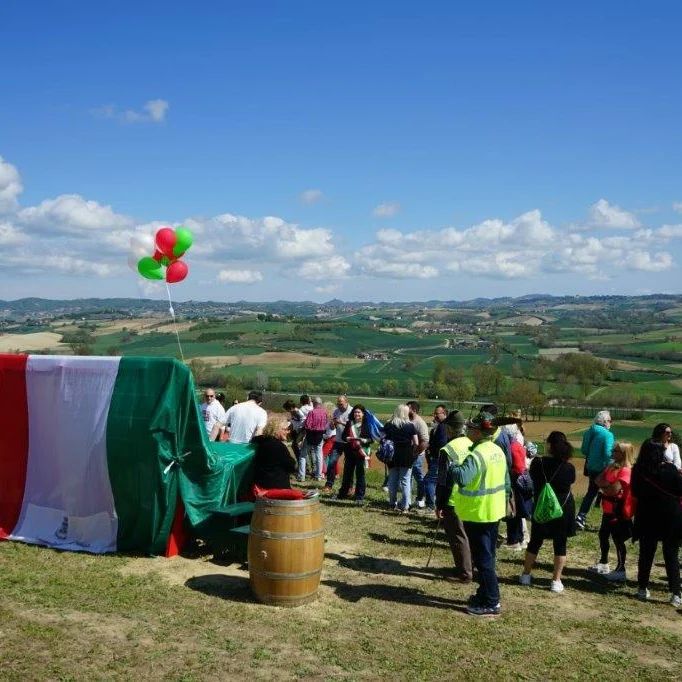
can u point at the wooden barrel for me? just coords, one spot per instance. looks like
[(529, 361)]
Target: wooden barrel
[(286, 550)]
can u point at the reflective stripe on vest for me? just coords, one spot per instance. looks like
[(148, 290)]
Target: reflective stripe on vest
[(484, 499), (457, 449)]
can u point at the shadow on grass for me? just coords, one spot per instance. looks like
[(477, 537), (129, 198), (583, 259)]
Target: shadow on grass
[(230, 587), (369, 564), (394, 593), (390, 540)]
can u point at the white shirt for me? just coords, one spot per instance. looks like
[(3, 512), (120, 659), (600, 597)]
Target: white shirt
[(672, 454), (342, 417), (212, 412), (244, 419)]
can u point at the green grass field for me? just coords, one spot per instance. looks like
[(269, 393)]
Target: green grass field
[(380, 615)]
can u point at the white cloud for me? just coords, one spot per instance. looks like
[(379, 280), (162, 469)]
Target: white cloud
[(310, 196), (677, 206), (10, 235), (669, 232), (328, 289), (240, 276), (64, 264), (386, 210), (10, 186), (604, 214), (401, 270), (642, 260), (153, 111), (71, 214), (332, 267)]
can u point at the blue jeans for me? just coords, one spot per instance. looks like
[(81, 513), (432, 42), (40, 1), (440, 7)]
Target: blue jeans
[(333, 458), (399, 477), (430, 481), (483, 543), (315, 454), (418, 473)]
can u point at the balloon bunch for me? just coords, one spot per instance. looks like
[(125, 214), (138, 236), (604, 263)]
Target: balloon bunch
[(170, 246)]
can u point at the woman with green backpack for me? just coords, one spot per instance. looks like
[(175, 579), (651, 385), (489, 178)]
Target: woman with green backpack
[(554, 507)]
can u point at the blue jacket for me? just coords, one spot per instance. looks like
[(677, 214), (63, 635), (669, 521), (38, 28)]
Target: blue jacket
[(597, 446)]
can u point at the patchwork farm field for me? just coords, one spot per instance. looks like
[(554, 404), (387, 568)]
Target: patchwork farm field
[(394, 353)]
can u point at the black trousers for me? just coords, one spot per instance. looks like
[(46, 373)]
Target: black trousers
[(647, 550)]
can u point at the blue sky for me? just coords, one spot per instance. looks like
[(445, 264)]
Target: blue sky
[(383, 150)]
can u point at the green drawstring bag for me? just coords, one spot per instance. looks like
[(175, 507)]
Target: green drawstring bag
[(547, 506)]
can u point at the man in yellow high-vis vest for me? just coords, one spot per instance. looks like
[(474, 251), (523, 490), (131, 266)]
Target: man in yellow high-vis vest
[(480, 501), (455, 451)]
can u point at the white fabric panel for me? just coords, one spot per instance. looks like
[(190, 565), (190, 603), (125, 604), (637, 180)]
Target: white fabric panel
[(68, 502)]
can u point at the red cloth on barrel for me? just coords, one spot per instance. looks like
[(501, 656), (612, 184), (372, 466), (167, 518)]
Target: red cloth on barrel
[(279, 493)]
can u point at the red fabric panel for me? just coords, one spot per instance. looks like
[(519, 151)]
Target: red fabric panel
[(279, 493), (178, 534), (13, 440)]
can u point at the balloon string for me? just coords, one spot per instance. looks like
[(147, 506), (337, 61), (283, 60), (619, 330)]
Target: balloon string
[(172, 312)]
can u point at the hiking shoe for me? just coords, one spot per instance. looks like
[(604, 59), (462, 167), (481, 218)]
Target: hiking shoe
[(525, 579), (556, 586), (643, 594), (421, 504), (475, 610), (580, 522), (615, 576), (601, 569), (676, 600)]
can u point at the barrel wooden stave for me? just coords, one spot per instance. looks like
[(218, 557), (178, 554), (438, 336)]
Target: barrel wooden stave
[(286, 551)]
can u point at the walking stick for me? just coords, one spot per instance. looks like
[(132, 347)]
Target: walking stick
[(433, 543)]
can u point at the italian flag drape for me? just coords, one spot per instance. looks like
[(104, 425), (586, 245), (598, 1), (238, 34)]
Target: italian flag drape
[(94, 452)]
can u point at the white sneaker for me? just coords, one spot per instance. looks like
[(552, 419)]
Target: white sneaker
[(518, 547), (600, 569), (421, 504), (616, 576), (525, 579), (556, 586), (676, 600), (643, 594)]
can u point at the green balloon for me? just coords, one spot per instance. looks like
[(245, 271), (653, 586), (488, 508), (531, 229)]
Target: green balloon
[(149, 268), (183, 241)]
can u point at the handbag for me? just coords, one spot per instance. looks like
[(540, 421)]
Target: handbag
[(524, 484)]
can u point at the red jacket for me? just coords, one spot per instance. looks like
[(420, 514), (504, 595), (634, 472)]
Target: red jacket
[(518, 453)]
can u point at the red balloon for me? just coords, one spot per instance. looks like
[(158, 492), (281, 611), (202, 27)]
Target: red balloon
[(176, 272), (166, 240), (157, 255)]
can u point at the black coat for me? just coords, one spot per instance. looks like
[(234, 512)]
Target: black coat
[(658, 492), (402, 438)]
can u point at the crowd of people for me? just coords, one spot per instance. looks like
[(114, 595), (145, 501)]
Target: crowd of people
[(473, 474)]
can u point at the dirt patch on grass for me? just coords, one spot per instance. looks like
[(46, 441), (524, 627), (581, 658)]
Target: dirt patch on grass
[(275, 358), (29, 342), (142, 326), (536, 431), (178, 570), (395, 330)]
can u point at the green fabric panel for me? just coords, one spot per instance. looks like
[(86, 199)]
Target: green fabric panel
[(148, 417), (216, 480), (154, 421)]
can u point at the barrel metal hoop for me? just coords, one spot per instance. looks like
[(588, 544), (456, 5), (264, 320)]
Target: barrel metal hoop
[(307, 502), (273, 535), (287, 576), (284, 512)]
